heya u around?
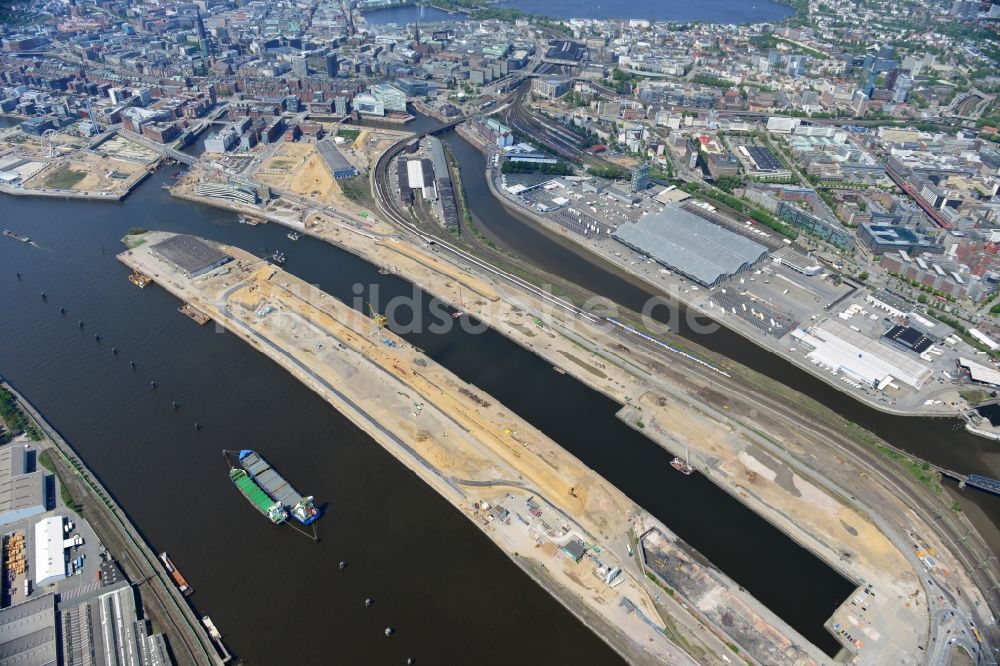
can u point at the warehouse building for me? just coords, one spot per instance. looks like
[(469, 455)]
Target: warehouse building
[(843, 350), (193, 256), (22, 493), (28, 632), (335, 162), (980, 373), (420, 176), (107, 630), (691, 245), (50, 557)]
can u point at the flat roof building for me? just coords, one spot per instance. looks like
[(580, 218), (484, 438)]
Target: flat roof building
[(107, 630), (882, 238), (855, 355), (50, 558), (22, 493), (575, 549), (334, 160), (691, 245), (191, 255), (28, 632), (909, 338)]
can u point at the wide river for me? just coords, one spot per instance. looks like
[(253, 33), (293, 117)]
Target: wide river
[(279, 598), (707, 11)]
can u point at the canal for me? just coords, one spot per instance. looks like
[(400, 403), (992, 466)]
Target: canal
[(942, 441)]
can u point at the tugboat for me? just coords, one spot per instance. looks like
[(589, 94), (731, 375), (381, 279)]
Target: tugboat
[(681, 464), (293, 236)]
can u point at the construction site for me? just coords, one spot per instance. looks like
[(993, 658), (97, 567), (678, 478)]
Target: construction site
[(463, 443), (313, 169), (298, 168), (321, 340), (61, 165)]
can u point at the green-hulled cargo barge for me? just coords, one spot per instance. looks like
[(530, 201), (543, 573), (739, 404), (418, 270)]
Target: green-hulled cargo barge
[(274, 511)]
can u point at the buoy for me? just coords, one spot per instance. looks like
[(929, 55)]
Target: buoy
[(62, 310), (18, 276), (174, 403), (409, 660), (343, 564), (81, 323), (197, 426), (131, 364), (44, 297), (368, 601), (388, 631), (152, 385), (97, 336), (114, 350)]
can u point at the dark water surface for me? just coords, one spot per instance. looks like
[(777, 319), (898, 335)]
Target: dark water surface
[(707, 11), (452, 596)]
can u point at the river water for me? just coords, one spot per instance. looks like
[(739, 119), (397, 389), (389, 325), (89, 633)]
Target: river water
[(707, 11), (452, 596), (427, 566)]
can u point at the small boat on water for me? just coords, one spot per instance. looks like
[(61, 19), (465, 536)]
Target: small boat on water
[(16, 236), (213, 631), (681, 464), (139, 280), (293, 235), (277, 258), (456, 315), (176, 576)]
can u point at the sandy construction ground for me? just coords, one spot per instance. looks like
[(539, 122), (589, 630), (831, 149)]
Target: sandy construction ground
[(461, 441), (86, 172), (298, 168)]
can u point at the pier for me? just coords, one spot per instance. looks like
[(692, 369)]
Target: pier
[(196, 315)]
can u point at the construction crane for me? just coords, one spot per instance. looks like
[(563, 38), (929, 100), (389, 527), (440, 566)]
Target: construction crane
[(377, 316)]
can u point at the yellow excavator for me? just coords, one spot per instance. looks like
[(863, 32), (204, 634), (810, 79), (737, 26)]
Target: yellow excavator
[(377, 316)]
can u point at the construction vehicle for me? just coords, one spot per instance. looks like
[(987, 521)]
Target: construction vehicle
[(377, 316)]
